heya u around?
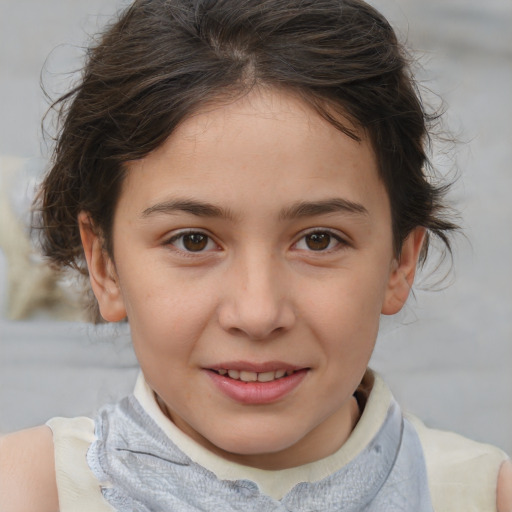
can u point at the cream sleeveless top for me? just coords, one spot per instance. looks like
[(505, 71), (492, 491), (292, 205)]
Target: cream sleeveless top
[(462, 474)]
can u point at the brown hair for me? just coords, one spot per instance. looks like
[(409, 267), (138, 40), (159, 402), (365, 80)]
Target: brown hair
[(163, 59)]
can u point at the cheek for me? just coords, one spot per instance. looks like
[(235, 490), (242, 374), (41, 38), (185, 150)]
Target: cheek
[(166, 315), (345, 313)]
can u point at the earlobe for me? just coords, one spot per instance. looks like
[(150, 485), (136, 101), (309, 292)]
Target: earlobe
[(102, 272), (402, 274)]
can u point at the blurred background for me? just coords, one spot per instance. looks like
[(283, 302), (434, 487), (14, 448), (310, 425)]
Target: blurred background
[(447, 357)]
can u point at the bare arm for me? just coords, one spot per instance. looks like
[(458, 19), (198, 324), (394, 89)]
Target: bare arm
[(504, 494), (27, 472)]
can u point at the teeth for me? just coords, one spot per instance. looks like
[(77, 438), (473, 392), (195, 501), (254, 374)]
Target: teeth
[(234, 374), (247, 376), (266, 377)]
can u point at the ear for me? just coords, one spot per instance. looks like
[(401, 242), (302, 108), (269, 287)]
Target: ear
[(102, 272), (402, 272)]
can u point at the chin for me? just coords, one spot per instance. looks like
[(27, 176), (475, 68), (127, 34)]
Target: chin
[(246, 445)]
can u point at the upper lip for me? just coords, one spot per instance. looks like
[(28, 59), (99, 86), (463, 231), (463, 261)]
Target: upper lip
[(269, 366)]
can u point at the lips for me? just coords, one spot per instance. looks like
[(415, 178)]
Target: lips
[(249, 383), (249, 376)]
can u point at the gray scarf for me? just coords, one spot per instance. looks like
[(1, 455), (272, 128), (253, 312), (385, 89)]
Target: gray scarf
[(142, 470)]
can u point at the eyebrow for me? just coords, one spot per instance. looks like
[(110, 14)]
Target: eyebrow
[(314, 208), (296, 210), (197, 208)]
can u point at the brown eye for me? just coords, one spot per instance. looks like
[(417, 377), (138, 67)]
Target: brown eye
[(195, 242), (192, 241), (318, 241)]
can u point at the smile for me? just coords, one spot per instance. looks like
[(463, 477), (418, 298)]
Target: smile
[(249, 376), (252, 384)]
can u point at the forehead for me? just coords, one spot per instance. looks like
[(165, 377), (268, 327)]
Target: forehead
[(268, 145)]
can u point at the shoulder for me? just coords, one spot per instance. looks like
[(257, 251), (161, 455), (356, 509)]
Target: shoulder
[(27, 471), (504, 497), (463, 474)]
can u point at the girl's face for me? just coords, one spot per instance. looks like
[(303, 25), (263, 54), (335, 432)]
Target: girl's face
[(253, 257)]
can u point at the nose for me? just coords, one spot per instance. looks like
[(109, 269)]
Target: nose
[(256, 300)]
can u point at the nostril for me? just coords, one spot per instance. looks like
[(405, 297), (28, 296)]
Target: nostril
[(255, 318), (256, 333)]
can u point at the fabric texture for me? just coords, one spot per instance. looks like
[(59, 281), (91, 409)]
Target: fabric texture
[(462, 474), (275, 483), (79, 490), (145, 471)]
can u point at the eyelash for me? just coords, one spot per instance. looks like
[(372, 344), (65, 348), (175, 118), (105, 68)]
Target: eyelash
[(208, 240)]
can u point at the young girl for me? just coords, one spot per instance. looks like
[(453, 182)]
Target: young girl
[(244, 182)]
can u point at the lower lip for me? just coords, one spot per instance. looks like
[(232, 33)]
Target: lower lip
[(257, 392)]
